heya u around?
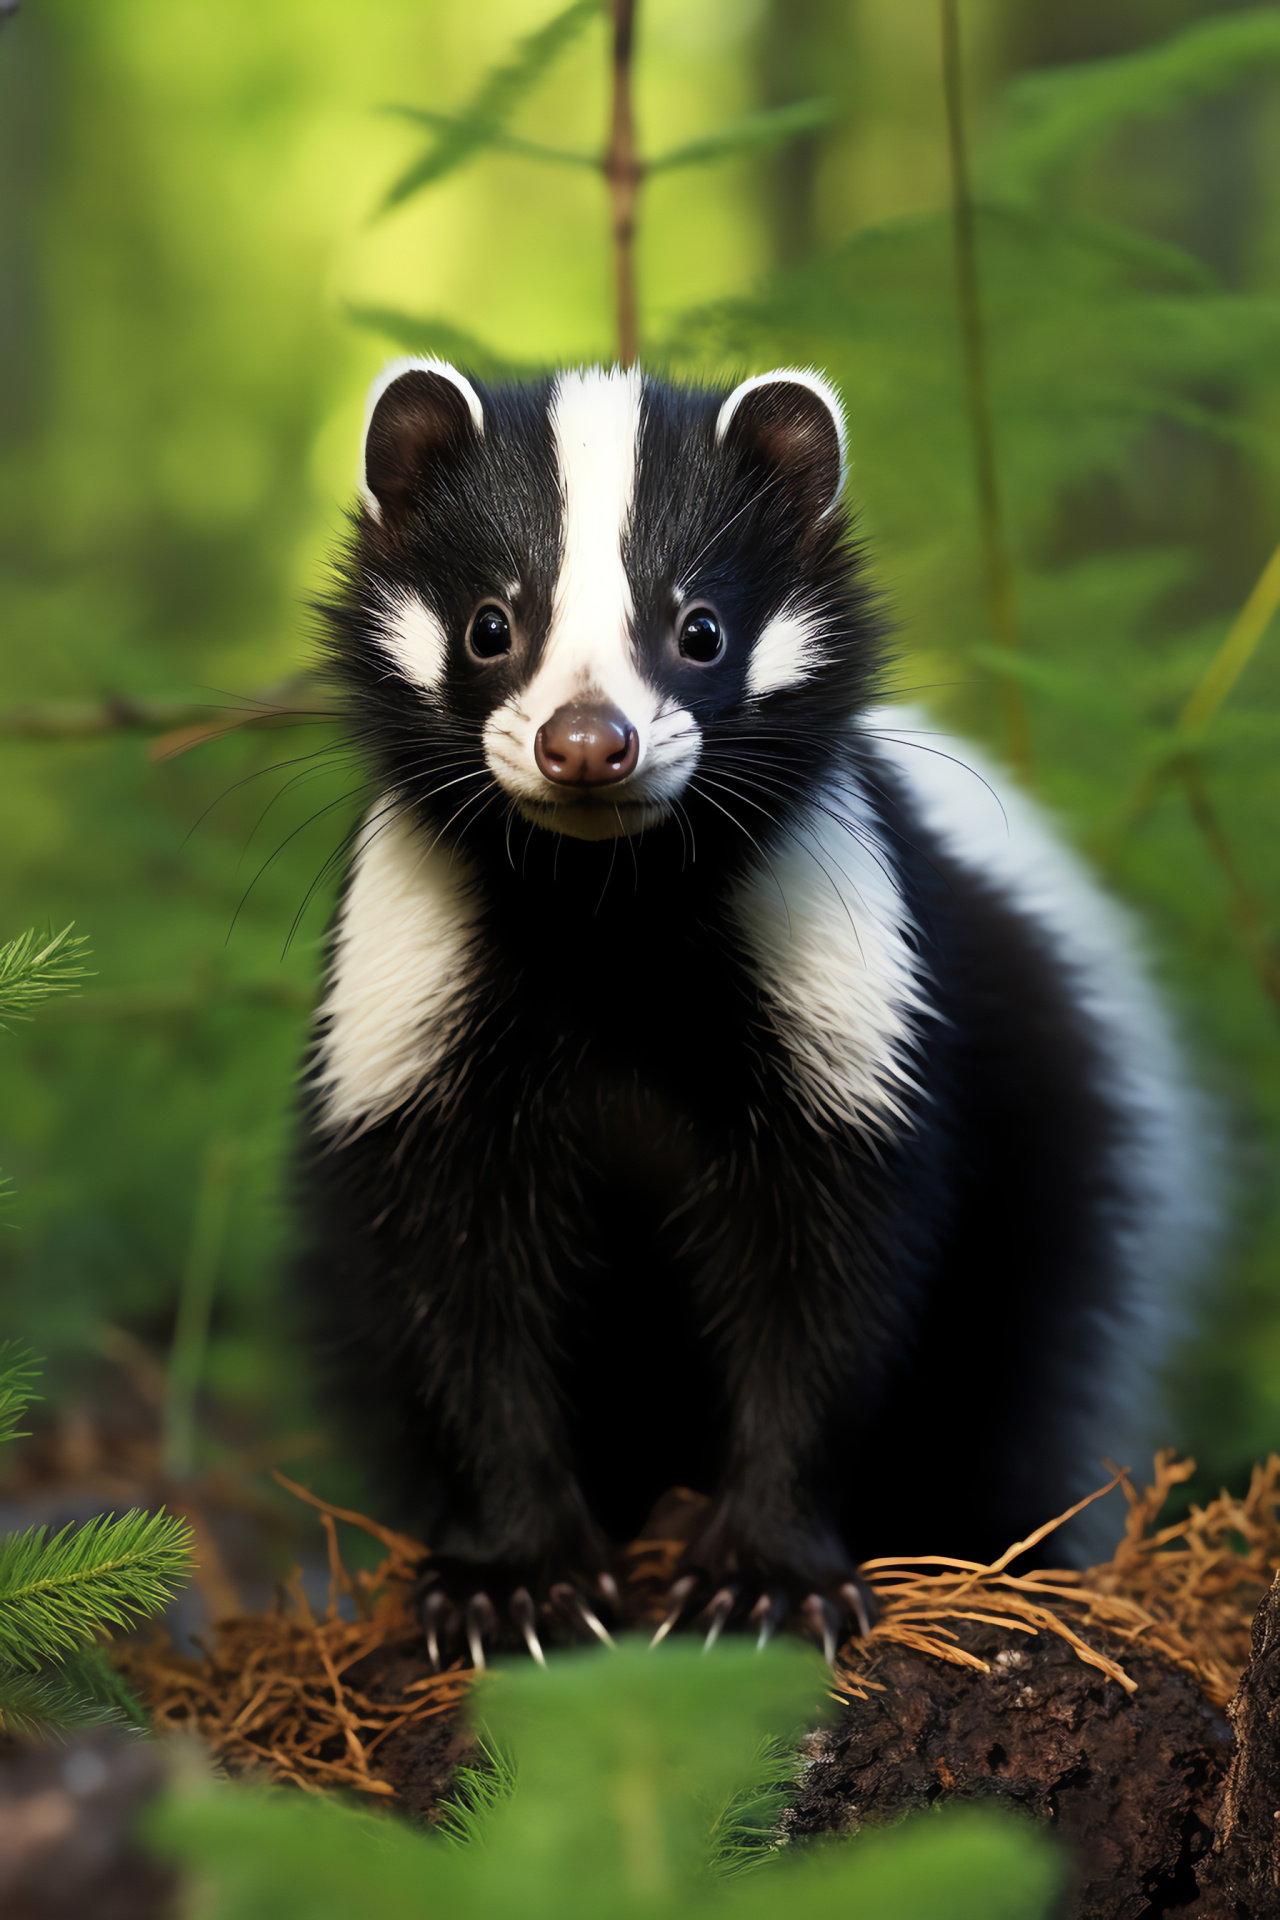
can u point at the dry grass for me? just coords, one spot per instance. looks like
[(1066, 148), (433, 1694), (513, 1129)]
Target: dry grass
[(275, 1693), (1186, 1591)]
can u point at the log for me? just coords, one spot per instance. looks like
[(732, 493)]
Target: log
[(1240, 1879), (1130, 1782)]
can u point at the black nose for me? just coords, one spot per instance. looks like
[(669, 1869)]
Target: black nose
[(587, 746)]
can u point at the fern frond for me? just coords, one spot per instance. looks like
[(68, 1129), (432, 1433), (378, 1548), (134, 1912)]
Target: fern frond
[(55, 1594), (751, 133), (1057, 117), (34, 966), (18, 1373), (495, 100), (493, 134)]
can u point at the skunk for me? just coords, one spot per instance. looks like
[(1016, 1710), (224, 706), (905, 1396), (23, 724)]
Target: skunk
[(717, 1084)]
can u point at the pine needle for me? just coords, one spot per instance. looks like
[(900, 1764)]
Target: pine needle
[(35, 966), (18, 1372), (57, 1593)]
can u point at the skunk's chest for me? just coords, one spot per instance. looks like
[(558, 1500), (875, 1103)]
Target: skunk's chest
[(796, 983)]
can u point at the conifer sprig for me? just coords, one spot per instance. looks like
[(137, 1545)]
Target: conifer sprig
[(80, 1692), (55, 1594), (18, 1374), (35, 966)]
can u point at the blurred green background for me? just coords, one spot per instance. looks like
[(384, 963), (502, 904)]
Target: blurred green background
[(192, 221)]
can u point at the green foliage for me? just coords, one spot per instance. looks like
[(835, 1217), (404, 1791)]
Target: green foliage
[(56, 1593), (81, 1691), (1058, 117), (482, 123), (623, 1766), (18, 1375), (751, 133), (475, 1794), (36, 966)]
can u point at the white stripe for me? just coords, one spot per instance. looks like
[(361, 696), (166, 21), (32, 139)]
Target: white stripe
[(414, 637), (397, 984), (589, 652), (828, 935), (788, 652)]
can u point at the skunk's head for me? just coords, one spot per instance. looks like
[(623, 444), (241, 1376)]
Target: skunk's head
[(600, 600)]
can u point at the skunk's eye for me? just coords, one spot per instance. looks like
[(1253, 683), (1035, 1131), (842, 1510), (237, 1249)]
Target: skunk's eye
[(701, 638), (490, 633)]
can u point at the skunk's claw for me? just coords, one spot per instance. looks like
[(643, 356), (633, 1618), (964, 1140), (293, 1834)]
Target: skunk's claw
[(861, 1602), (824, 1620), (716, 1612), (481, 1620), (677, 1600), (767, 1615), (578, 1609), (434, 1607), (486, 1608), (524, 1614)]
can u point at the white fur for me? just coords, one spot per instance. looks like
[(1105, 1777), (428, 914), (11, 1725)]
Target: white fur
[(414, 637), (589, 654), (798, 377), (788, 652), (828, 939), (1010, 842), (396, 984), (392, 372)]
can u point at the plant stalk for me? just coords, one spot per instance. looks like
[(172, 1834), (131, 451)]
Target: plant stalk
[(997, 571), (195, 1305), (624, 172)]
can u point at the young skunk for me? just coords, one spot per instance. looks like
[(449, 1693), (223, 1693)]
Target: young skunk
[(716, 1084)]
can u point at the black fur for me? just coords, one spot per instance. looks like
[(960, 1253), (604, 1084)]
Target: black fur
[(607, 1251)]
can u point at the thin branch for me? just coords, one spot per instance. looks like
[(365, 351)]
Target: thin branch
[(997, 571), (624, 172), (181, 723)]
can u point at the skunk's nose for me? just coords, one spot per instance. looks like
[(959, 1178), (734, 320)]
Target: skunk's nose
[(587, 746)]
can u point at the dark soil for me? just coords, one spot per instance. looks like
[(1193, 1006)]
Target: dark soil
[(1130, 1782)]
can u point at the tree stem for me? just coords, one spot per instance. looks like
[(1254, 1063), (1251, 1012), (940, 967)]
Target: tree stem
[(624, 172), (997, 571)]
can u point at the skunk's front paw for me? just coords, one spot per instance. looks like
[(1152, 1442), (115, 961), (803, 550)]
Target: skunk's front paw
[(724, 1585), (473, 1606)]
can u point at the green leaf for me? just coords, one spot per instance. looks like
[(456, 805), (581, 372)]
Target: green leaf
[(440, 339), (494, 135), (35, 966), (1056, 117), (18, 1371), (494, 102), (55, 1594), (748, 134)]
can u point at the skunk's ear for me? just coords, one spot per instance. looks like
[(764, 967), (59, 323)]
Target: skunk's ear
[(791, 424), (417, 411)]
